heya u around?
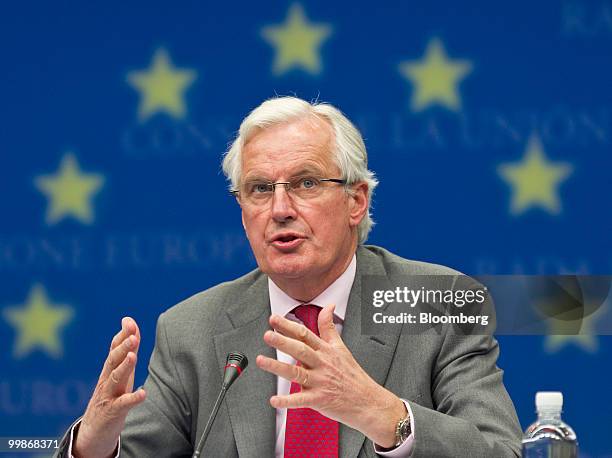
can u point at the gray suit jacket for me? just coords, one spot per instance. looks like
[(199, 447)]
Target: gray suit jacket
[(455, 390)]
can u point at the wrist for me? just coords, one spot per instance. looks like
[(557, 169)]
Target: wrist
[(84, 446), (382, 418)]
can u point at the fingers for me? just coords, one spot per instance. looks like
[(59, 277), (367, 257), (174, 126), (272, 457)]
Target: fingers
[(327, 329), (120, 378), (128, 339), (291, 372), (118, 354), (295, 331), (128, 327), (292, 401), (129, 400), (299, 350)]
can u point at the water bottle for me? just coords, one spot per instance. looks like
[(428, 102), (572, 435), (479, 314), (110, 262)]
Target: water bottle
[(549, 436)]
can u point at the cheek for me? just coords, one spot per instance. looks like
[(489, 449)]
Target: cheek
[(254, 227), (331, 224)]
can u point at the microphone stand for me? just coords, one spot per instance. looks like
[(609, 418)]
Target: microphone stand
[(235, 364), (198, 450)]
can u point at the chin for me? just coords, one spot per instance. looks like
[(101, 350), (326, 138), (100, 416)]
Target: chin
[(288, 267), (288, 271)]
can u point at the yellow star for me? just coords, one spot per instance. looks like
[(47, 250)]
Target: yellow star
[(70, 191), (296, 42), (561, 332), (38, 323), (435, 78), (162, 87), (535, 179)]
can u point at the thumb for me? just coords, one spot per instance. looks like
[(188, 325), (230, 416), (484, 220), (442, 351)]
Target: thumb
[(327, 329)]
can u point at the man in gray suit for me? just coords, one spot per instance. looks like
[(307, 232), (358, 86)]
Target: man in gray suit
[(321, 387)]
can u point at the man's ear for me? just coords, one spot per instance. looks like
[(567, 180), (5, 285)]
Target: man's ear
[(358, 203), (242, 217)]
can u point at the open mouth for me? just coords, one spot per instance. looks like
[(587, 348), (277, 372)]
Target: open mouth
[(286, 238), (287, 241)]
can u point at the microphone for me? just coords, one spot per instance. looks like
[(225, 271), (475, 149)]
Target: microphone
[(236, 363)]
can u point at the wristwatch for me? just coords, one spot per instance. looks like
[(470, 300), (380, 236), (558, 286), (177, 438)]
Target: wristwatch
[(402, 430)]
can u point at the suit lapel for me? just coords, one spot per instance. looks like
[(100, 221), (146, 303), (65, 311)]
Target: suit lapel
[(373, 355), (252, 418)]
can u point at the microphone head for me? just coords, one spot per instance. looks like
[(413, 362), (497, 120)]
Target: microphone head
[(235, 364), (238, 358)]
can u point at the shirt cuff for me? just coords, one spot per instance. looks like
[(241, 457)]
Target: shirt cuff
[(76, 425), (404, 449)]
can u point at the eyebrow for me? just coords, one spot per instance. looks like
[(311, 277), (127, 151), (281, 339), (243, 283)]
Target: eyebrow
[(305, 170)]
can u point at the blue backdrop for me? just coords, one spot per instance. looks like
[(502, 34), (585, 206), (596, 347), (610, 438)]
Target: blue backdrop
[(488, 124)]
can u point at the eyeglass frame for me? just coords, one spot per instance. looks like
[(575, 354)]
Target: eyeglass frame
[(236, 192)]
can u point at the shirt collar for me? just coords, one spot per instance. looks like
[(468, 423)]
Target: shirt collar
[(336, 293)]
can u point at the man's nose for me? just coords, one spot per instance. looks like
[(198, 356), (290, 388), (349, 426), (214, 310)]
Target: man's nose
[(283, 207)]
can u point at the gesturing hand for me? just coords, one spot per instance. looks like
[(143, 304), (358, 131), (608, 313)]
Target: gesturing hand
[(332, 381), (113, 397)]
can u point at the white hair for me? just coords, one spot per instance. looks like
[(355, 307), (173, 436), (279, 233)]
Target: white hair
[(349, 148)]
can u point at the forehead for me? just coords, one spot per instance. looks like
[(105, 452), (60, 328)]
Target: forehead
[(283, 149)]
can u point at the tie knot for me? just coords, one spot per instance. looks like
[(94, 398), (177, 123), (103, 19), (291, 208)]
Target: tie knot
[(309, 315)]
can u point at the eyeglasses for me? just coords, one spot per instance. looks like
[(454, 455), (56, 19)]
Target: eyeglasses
[(299, 188)]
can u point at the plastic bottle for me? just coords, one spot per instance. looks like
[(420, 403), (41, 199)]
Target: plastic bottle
[(549, 436)]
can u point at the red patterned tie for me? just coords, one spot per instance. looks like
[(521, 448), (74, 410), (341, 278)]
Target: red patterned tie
[(307, 432)]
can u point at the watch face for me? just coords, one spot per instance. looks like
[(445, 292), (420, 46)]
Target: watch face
[(405, 429)]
